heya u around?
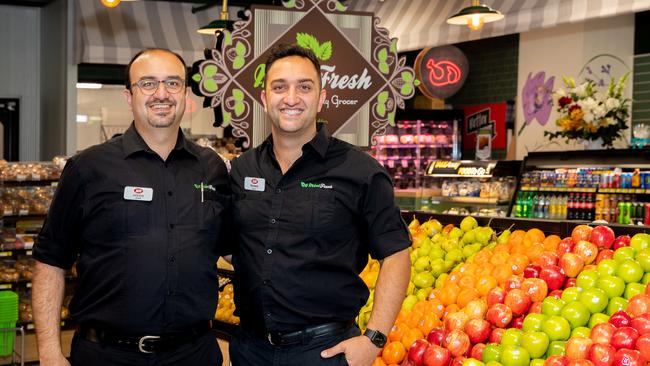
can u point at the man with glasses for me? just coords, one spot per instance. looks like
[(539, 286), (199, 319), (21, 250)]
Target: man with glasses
[(141, 215)]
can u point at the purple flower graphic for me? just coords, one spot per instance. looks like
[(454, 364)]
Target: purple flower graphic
[(537, 98)]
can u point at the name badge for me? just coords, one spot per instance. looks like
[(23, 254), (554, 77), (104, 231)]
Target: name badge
[(138, 193), (254, 184)]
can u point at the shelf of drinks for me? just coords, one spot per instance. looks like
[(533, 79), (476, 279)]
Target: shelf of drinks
[(587, 190), (469, 200)]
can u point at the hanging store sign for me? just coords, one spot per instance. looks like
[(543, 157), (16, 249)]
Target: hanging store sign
[(484, 130), (364, 78), (442, 70)]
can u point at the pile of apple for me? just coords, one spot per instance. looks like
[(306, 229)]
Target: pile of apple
[(592, 278)]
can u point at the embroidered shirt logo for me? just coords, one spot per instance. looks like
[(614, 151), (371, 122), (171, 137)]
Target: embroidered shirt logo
[(314, 185), (204, 186)]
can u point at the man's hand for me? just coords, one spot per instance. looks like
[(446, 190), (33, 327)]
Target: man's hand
[(358, 351)]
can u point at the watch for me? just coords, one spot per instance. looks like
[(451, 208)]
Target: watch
[(376, 337)]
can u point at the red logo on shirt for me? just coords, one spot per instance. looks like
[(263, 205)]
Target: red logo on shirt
[(138, 190), (254, 180)]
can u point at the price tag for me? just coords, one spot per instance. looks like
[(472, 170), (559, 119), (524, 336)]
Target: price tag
[(30, 326), (36, 177), (638, 191), (5, 286), (21, 177), (23, 212), (6, 254), (29, 285), (29, 252)]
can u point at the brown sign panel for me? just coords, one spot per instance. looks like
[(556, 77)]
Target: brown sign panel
[(364, 78)]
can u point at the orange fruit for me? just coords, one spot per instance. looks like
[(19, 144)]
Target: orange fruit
[(394, 352), (518, 263), (397, 332), (485, 284), (453, 308), (452, 278), (516, 237), (550, 243), (378, 362), (401, 316), (482, 256), (499, 257), (449, 293), (501, 273), (419, 307), (410, 336), (465, 296), (414, 318), (533, 236), (428, 322), (467, 281), (485, 270), (534, 252)]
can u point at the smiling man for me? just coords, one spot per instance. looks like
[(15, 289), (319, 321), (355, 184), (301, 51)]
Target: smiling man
[(309, 208), (140, 215)]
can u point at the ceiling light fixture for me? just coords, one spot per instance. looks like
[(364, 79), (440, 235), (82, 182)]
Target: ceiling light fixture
[(89, 86), (219, 24), (110, 3), (475, 16)]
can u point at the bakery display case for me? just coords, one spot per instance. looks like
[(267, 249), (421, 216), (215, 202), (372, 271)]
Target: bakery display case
[(467, 187), (607, 185), (417, 138)]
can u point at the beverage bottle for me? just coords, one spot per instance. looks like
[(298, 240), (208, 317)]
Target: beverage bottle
[(646, 216), (591, 207), (636, 179), (518, 205), (529, 205), (621, 213), (535, 206), (552, 208), (544, 205), (563, 207), (569, 206)]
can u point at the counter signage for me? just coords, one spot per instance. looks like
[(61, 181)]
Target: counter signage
[(460, 168), (365, 79)]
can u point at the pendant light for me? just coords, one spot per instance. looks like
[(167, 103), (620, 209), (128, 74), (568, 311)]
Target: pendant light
[(475, 16), (219, 24)]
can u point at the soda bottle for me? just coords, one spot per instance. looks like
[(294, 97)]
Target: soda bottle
[(529, 205), (563, 207), (570, 207), (518, 205), (591, 207)]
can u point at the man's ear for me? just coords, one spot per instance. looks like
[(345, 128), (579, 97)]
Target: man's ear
[(128, 96)]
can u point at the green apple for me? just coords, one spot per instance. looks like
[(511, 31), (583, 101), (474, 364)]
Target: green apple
[(624, 253), (423, 279), (571, 294), (472, 362), (633, 289), (511, 337), (597, 319), (594, 299), (557, 328), (616, 304), (576, 313), (493, 363), (640, 241), (492, 352), (468, 223), (536, 362), (422, 264), (552, 306), (607, 267), (536, 343), (440, 281), (643, 257), (581, 332), (630, 271), (533, 322), (515, 356), (556, 348), (612, 285), (587, 279), (409, 301)]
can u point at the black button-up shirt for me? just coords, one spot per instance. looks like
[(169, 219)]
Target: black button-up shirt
[(148, 265), (305, 236)]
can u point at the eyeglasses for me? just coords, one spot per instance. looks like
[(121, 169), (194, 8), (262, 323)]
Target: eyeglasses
[(150, 86)]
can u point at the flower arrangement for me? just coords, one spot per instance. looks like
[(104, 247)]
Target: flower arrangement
[(588, 114)]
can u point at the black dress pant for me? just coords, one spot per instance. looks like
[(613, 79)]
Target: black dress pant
[(203, 351), (248, 349)]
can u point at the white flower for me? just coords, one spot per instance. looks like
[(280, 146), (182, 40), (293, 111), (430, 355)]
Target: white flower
[(612, 103), (600, 97), (560, 93), (581, 90), (587, 104), (599, 111), (609, 121), (588, 117)]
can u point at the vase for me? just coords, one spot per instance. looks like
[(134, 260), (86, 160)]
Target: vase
[(596, 144)]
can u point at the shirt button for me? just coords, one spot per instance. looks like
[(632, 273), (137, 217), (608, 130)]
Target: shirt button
[(278, 190), (171, 226), (269, 251), (273, 221), (172, 259), (268, 315), (266, 282), (170, 193)]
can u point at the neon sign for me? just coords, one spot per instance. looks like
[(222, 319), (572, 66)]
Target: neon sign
[(443, 73)]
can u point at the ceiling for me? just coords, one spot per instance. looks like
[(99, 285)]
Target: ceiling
[(210, 3)]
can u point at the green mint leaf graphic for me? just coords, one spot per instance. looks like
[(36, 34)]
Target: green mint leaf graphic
[(210, 85), (391, 118), (302, 39), (325, 51), (226, 119), (393, 45), (382, 97), (290, 4), (383, 67), (340, 7), (416, 82), (210, 71), (196, 77), (227, 38), (260, 72), (240, 49), (238, 95), (239, 108), (406, 89), (407, 76), (381, 103), (238, 62), (382, 55)]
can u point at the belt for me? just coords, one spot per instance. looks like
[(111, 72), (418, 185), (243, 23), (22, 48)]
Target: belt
[(306, 334), (145, 343)]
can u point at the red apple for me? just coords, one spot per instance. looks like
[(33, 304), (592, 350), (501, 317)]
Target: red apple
[(478, 330), (641, 323), (570, 282), (602, 236), (620, 319), (436, 336), (602, 333), (580, 362), (477, 351), (513, 282), (518, 301), (499, 315), (621, 241), (517, 322), (557, 360), (458, 361), (639, 304), (604, 254), (627, 357), (625, 337), (643, 346), (495, 336), (571, 264), (456, 320), (495, 296), (547, 259), (435, 355), (602, 354), (581, 232), (586, 250), (553, 276), (536, 288), (565, 246), (535, 308), (457, 342), (532, 271), (556, 294), (416, 351), (577, 348)]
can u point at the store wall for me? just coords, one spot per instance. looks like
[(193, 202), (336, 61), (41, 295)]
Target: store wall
[(20, 72), (564, 51)]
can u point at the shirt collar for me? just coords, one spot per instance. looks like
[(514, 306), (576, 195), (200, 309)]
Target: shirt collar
[(132, 142), (319, 143)]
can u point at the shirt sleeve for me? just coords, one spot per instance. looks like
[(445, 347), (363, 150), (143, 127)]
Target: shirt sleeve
[(57, 243), (387, 231)]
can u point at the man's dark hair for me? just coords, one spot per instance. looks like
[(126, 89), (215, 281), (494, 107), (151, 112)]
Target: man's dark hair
[(127, 76), (285, 50)]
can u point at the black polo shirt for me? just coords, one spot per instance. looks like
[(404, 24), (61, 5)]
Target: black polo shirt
[(146, 256), (305, 236)]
